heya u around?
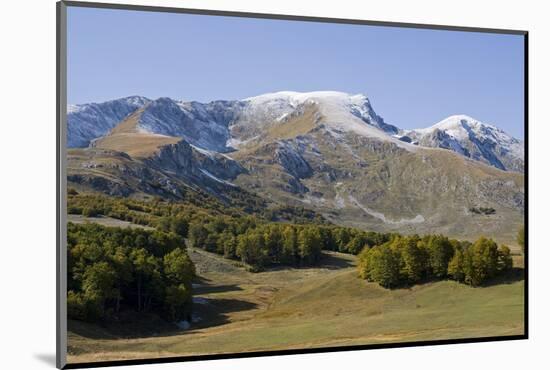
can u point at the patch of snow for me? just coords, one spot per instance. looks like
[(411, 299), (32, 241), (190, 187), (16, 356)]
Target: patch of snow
[(339, 201), (216, 178), (206, 152), (416, 220), (282, 117), (72, 108), (311, 199), (233, 142), (236, 143), (210, 153)]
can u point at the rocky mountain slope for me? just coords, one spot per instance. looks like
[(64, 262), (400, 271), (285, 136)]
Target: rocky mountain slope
[(134, 160), (327, 151), (86, 122), (223, 125), (473, 139)]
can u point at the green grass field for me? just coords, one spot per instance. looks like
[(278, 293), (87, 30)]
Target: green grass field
[(239, 311)]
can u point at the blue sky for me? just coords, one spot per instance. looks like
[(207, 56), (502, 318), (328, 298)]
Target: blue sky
[(414, 78)]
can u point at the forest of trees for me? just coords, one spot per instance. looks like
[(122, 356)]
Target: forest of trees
[(406, 260), (110, 269), (256, 241), (148, 212), (261, 244)]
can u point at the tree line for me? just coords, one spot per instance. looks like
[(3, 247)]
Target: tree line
[(148, 212), (260, 244), (111, 269), (407, 260), (387, 258), (256, 241)]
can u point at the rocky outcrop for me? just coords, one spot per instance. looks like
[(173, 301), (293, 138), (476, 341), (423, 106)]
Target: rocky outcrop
[(195, 165), (292, 161), (473, 139)]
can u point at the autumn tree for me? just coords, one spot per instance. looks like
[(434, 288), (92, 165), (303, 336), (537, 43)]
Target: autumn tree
[(178, 268), (480, 261), (98, 285), (456, 266), (273, 243), (251, 249), (309, 245), (414, 259), (382, 265), (177, 302), (146, 270), (505, 262), (440, 253), (290, 245), (197, 234)]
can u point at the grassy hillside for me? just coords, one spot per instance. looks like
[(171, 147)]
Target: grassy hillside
[(125, 137), (137, 145), (308, 307), (375, 185), (300, 160)]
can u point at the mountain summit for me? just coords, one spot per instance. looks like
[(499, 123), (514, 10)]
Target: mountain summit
[(473, 139)]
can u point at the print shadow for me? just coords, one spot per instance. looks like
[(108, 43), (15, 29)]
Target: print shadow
[(46, 358)]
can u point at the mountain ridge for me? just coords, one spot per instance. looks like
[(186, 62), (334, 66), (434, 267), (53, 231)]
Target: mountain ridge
[(326, 151), (222, 125), (473, 139)]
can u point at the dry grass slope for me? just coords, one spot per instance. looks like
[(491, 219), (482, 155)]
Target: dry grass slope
[(136, 145), (436, 184), (311, 307), (125, 137)]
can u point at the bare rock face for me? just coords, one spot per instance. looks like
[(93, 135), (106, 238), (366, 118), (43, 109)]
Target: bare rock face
[(187, 162), (292, 161), (202, 125), (222, 125)]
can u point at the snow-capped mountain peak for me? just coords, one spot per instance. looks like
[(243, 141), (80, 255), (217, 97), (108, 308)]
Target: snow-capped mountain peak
[(223, 126), (459, 125), (474, 139), (301, 97), (86, 122), (339, 108)]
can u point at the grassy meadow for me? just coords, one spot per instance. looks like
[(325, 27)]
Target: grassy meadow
[(287, 308)]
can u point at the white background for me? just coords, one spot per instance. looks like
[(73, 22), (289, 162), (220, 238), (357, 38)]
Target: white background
[(27, 211)]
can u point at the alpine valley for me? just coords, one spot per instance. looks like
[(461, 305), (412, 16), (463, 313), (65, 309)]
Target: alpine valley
[(328, 152)]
